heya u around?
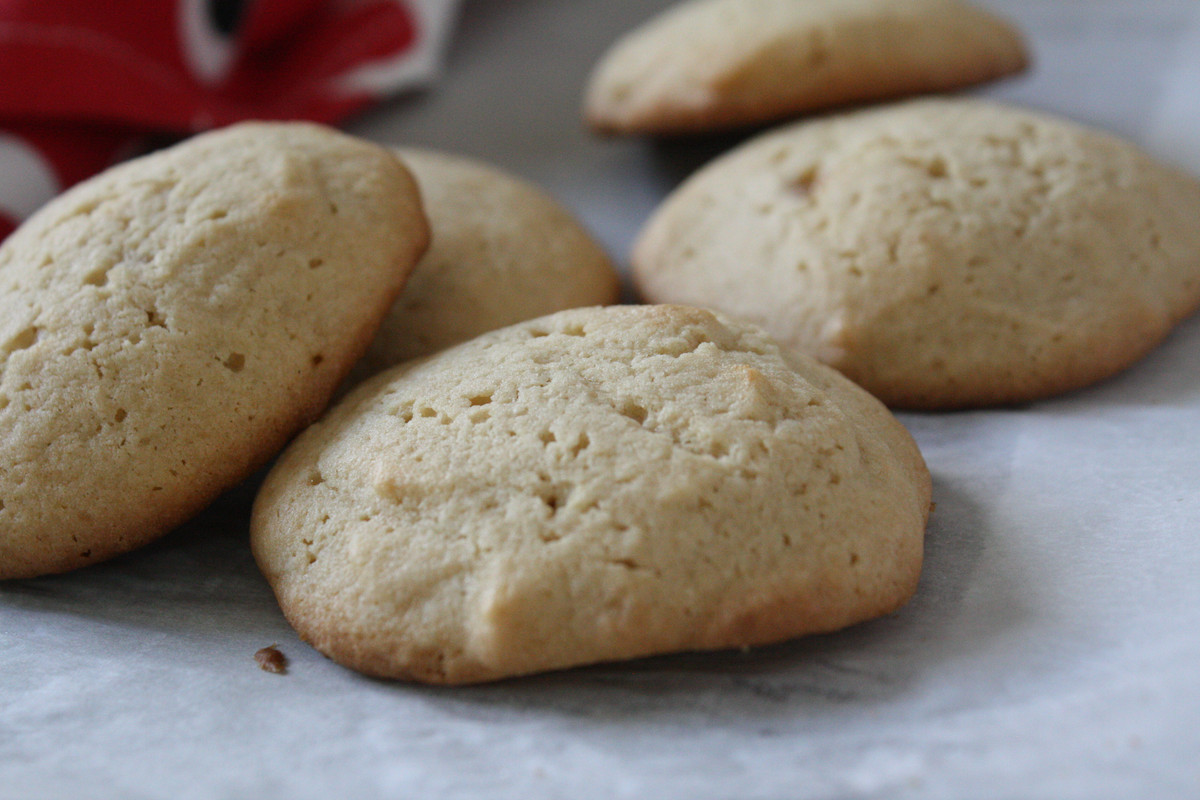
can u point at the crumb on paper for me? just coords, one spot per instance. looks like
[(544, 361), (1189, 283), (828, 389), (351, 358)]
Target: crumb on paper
[(271, 660)]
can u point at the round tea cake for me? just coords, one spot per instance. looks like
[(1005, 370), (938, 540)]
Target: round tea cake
[(598, 484), (502, 251), (941, 253), (711, 64), (166, 326)]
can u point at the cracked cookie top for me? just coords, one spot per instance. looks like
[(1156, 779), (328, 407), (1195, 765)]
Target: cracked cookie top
[(940, 253), (166, 326), (594, 485)]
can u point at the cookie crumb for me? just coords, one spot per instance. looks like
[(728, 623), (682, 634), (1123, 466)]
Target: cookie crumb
[(269, 659)]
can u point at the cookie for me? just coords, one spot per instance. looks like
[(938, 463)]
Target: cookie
[(599, 484), (941, 253), (166, 326), (502, 252), (713, 64)]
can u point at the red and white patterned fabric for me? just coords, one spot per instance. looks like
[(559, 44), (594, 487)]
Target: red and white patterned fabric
[(85, 83)]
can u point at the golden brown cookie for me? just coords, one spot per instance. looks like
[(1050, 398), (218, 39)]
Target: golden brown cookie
[(940, 253), (166, 326), (595, 485), (502, 251), (711, 64)]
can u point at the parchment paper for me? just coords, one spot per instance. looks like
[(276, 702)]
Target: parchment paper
[(1052, 649)]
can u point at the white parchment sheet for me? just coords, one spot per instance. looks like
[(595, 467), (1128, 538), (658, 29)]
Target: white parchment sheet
[(1052, 650)]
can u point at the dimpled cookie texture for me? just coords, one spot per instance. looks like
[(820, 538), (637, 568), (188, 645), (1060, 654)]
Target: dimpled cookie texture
[(502, 251), (711, 64), (166, 326), (940, 253), (595, 485)]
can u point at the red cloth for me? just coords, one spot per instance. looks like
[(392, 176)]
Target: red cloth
[(84, 82)]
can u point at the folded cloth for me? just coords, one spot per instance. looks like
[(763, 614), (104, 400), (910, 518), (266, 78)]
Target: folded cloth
[(85, 83)]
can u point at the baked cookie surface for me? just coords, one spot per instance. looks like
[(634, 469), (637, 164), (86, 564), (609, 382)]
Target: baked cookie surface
[(166, 326), (595, 485), (713, 64), (502, 251), (940, 253)]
